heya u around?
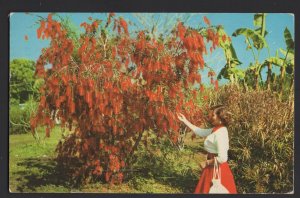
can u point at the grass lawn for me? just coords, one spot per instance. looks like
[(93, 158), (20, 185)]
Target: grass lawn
[(32, 168)]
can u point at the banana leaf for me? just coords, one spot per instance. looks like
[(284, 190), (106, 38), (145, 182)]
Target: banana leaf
[(252, 67), (275, 61), (221, 32), (290, 45), (227, 47), (237, 72), (258, 41), (290, 56), (231, 57), (260, 22), (235, 62), (223, 73), (227, 70), (259, 30), (258, 19)]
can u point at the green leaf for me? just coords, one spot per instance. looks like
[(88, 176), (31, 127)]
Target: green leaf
[(235, 62), (252, 66), (290, 56), (290, 45), (237, 72), (227, 70), (21, 78), (223, 73), (258, 19), (230, 54), (258, 30), (258, 41), (290, 69), (275, 61), (233, 53), (260, 22), (221, 32)]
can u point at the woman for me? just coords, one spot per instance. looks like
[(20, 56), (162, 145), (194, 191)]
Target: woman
[(216, 144)]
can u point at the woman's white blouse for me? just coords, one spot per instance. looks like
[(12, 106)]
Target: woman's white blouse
[(216, 142)]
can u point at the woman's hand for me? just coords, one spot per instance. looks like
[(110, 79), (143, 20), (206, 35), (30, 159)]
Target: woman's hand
[(181, 117), (203, 164)]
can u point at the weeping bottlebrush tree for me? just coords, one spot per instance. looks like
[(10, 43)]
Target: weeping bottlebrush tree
[(115, 86)]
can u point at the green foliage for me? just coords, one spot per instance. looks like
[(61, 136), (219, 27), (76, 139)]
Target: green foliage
[(290, 57), (251, 77), (258, 40), (261, 140), (22, 80), (19, 116), (260, 22), (290, 45), (275, 61), (18, 120), (230, 70), (254, 38)]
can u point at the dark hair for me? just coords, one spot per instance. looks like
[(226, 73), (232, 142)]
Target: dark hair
[(222, 113)]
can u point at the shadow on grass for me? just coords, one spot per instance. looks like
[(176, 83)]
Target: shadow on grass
[(186, 183), (175, 173), (41, 172), (44, 175)]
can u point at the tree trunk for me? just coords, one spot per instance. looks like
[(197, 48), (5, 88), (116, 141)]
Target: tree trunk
[(135, 146), (245, 86), (282, 80), (291, 92), (256, 85), (292, 85), (282, 75), (269, 76)]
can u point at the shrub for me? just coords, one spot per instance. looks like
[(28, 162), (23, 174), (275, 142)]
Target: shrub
[(17, 124), (261, 140), (110, 92), (22, 80), (19, 117)]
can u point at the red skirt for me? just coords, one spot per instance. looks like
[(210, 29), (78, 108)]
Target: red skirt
[(205, 183)]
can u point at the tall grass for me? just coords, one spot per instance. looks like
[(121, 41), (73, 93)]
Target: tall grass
[(261, 139)]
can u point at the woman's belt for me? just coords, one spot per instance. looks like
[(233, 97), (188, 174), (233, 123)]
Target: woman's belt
[(211, 155)]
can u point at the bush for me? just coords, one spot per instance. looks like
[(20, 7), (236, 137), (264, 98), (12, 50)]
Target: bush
[(135, 84), (22, 79), (19, 117), (261, 140)]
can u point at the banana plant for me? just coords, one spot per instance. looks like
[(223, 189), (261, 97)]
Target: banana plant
[(286, 63), (255, 39), (230, 70), (276, 61), (289, 60)]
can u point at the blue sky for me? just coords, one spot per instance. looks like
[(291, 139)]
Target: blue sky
[(22, 24)]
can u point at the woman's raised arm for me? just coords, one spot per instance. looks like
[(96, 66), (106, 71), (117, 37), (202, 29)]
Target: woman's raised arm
[(198, 131)]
